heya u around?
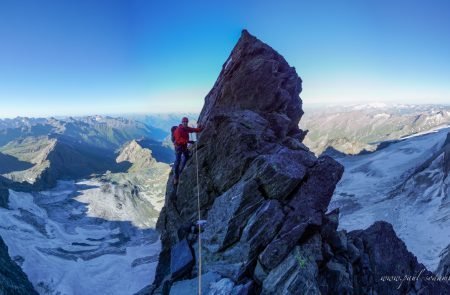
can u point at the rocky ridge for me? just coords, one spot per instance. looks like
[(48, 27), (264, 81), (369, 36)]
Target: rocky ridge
[(139, 157), (354, 129), (265, 196)]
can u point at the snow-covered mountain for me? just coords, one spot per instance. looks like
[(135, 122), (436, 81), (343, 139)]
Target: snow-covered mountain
[(406, 183), (351, 129)]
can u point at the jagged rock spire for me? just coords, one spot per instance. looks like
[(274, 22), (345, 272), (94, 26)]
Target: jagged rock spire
[(264, 196), (255, 77)]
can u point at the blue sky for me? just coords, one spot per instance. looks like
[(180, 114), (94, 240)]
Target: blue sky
[(91, 56)]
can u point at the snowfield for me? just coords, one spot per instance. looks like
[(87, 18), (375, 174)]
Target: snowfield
[(404, 184), (64, 248)]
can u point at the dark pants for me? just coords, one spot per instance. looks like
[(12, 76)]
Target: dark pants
[(181, 156)]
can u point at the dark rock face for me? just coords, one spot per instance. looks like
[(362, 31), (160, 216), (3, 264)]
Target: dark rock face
[(4, 197), (265, 196), (12, 279), (257, 78), (181, 259), (446, 149), (444, 265), (380, 253)]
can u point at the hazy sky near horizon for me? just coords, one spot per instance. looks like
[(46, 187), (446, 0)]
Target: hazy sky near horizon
[(81, 57)]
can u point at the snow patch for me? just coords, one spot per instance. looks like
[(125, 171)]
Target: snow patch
[(373, 105), (382, 115)]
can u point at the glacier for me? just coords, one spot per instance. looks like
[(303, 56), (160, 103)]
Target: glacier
[(388, 185), (64, 248)]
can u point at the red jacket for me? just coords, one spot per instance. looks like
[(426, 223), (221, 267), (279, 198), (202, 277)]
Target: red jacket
[(181, 135)]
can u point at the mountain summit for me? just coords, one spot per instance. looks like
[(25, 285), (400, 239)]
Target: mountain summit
[(264, 197), (133, 152)]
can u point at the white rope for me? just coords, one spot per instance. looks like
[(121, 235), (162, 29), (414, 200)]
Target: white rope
[(199, 227)]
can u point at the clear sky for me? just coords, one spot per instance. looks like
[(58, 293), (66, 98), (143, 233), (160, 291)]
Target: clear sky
[(79, 57)]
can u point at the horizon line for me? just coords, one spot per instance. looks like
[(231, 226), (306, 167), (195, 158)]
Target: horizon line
[(124, 114)]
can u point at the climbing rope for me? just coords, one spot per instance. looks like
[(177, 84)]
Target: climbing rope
[(199, 227)]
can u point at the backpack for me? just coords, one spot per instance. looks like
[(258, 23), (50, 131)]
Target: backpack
[(172, 132)]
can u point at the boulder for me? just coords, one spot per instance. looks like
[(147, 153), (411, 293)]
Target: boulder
[(298, 272)]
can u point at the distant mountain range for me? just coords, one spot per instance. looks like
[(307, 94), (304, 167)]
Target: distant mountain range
[(352, 129), (99, 131), (41, 151), (164, 121)]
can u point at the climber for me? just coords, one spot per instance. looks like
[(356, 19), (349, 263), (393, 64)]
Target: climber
[(181, 140)]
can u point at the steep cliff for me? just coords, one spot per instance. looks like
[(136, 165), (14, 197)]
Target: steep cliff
[(264, 197), (12, 279)]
